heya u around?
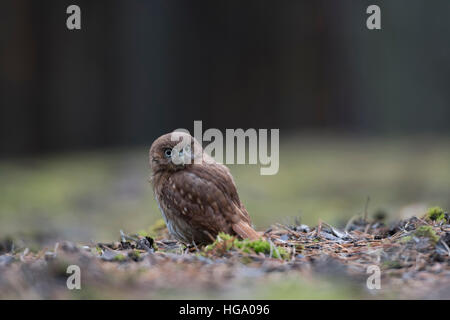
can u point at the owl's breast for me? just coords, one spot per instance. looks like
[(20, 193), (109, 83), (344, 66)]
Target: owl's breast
[(178, 228)]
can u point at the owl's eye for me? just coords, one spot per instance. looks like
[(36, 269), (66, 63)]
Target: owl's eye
[(168, 152)]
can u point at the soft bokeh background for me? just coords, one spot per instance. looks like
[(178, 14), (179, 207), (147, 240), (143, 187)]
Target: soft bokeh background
[(361, 113)]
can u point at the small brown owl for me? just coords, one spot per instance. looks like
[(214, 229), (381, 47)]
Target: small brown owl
[(196, 195)]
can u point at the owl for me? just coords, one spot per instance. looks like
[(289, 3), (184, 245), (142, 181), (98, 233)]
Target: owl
[(196, 195)]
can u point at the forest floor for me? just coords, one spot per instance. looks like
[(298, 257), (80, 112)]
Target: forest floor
[(67, 209), (295, 261)]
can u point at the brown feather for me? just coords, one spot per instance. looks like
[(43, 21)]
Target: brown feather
[(197, 200), (245, 231)]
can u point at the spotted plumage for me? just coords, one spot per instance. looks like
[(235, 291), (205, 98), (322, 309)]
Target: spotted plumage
[(197, 196)]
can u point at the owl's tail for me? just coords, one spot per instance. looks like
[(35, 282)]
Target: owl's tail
[(245, 231)]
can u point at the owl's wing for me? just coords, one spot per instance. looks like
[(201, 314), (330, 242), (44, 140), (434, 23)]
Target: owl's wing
[(206, 195)]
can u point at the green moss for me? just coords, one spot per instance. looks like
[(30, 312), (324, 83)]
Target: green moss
[(226, 242), (406, 239), (422, 232), (120, 257), (391, 264), (246, 260), (436, 214), (154, 230), (143, 233), (427, 232), (134, 255)]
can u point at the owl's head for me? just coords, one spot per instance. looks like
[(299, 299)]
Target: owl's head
[(174, 151)]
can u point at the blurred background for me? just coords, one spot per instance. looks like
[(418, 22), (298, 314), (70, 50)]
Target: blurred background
[(361, 113)]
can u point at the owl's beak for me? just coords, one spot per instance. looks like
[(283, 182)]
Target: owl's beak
[(187, 159)]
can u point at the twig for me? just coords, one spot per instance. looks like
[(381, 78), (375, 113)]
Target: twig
[(350, 221), (366, 229), (23, 254), (125, 237), (289, 230), (446, 246), (319, 228), (272, 246), (122, 236), (365, 208)]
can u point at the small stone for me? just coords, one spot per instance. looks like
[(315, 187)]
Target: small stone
[(302, 228), (6, 260)]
